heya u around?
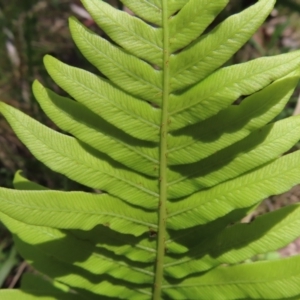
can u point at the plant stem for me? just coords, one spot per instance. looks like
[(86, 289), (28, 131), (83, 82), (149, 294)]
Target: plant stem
[(162, 208)]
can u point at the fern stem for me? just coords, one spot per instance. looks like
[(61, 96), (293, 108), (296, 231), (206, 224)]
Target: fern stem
[(162, 208)]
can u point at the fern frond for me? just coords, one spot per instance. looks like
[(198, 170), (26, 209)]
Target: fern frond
[(251, 188), (239, 242), (175, 162), (212, 50), (261, 280)]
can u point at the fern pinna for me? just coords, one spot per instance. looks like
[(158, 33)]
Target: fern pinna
[(178, 165)]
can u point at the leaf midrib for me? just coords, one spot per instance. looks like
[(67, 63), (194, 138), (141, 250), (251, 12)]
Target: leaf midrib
[(162, 205)]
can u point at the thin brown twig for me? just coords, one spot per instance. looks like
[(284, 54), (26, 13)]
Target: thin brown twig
[(297, 108), (20, 271)]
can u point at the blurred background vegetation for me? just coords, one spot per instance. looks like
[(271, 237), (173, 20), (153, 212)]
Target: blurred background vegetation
[(29, 29)]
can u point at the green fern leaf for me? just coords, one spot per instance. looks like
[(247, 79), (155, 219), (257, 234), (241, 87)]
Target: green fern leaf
[(174, 163), (36, 287)]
